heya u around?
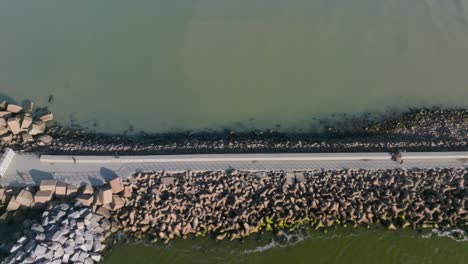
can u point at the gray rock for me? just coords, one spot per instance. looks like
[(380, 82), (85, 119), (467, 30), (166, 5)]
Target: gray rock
[(70, 242), (30, 246), (40, 251), (65, 258), (56, 261), (40, 237), (80, 232), (28, 260), (84, 247), (22, 240), (88, 261), (59, 253), (79, 240), (37, 228), (60, 215), (15, 248), (83, 256), (45, 221), (54, 246), (49, 254), (64, 207), (89, 244), (95, 256), (74, 215), (70, 250), (62, 240), (75, 257), (89, 235), (97, 246)]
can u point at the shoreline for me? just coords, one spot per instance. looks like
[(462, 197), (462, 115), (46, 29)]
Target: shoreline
[(425, 129), (231, 205)]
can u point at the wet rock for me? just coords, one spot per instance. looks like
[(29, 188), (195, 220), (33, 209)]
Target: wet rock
[(14, 108), (47, 117), (45, 139)]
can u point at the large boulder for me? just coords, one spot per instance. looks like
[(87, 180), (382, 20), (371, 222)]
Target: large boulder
[(116, 185), (14, 108), (43, 196), (38, 127), (13, 205), (25, 198), (47, 117), (26, 122), (105, 194), (14, 125)]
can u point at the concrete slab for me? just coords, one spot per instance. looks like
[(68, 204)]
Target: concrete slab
[(25, 198), (105, 195), (14, 125), (3, 130), (14, 108), (26, 122), (116, 185), (43, 196), (5, 114), (37, 128), (13, 205), (47, 117)]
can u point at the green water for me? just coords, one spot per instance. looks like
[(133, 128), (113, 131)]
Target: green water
[(337, 246), (156, 65)]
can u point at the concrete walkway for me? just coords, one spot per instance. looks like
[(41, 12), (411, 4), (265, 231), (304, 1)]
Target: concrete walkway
[(27, 169)]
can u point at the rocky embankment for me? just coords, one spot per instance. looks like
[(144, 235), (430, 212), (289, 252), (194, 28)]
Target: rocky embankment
[(22, 127), (66, 234), (229, 205), (417, 130)]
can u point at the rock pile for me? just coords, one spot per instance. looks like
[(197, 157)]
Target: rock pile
[(36, 198), (417, 130), (230, 205), (66, 234), (21, 125), (234, 204)]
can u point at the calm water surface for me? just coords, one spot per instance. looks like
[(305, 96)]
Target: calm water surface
[(156, 65)]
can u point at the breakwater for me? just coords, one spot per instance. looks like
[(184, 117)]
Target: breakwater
[(234, 204), (230, 205), (433, 129), (429, 129)]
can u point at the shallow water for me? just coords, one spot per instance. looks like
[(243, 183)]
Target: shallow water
[(336, 246), (157, 65)]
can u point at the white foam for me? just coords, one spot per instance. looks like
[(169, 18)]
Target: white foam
[(455, 234), (291, 239)]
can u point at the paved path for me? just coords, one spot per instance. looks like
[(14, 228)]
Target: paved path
[(27, 169)]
